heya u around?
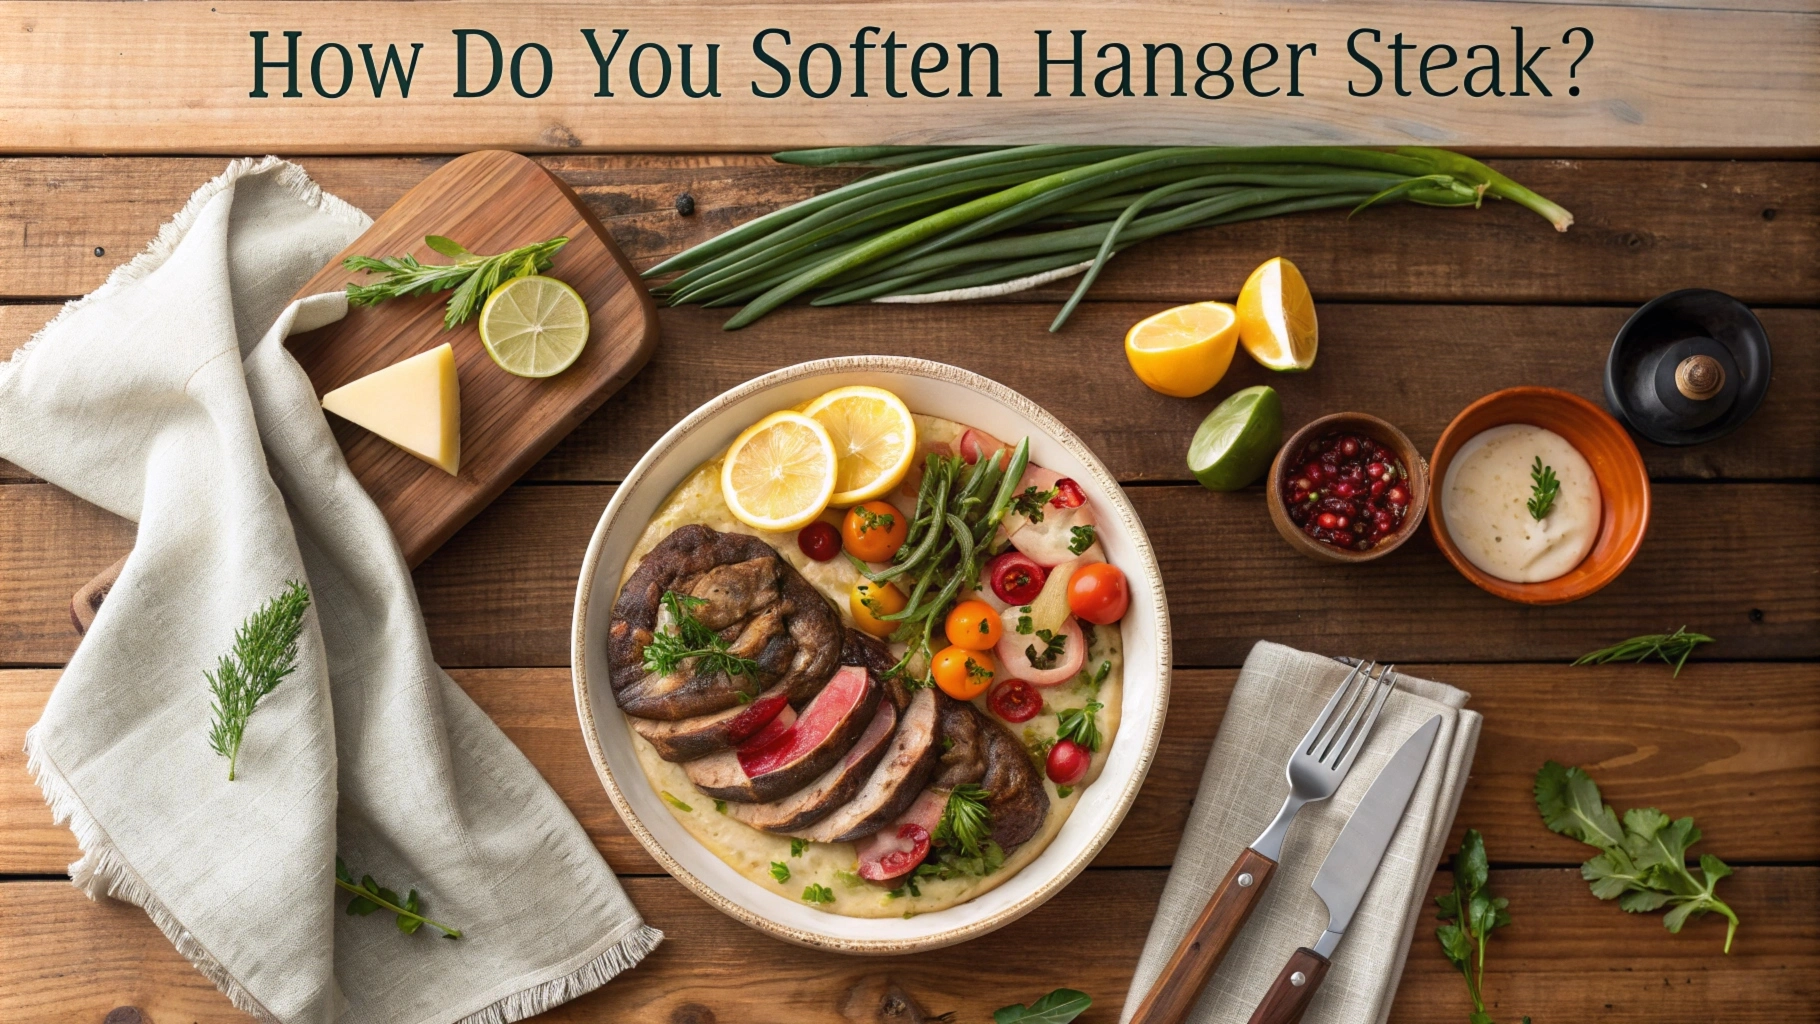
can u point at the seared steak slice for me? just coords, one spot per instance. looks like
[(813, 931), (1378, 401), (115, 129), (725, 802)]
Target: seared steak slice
[(732, 592), (690, 738), (826, 730), (963, 744), (1016, 797), (816, 629), (836, 786), (896, 781), (871, 653)]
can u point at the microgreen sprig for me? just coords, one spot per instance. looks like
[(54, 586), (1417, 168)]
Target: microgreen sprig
[(1672, 648), (668, 650)]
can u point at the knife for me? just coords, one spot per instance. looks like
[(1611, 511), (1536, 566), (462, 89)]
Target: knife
[(1347, 873)]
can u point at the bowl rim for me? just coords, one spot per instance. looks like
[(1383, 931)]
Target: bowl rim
[(1113, 499), (1531, 593), (1279, 471)]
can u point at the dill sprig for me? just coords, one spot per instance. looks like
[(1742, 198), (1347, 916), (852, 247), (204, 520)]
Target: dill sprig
[(1672, 648), (965, 821), (472, 275), (1545, 487), (265, 651), (691, 639), (370, 896)]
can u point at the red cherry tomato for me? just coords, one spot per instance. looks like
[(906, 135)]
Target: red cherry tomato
[(974, 625), (1097, 593), (1068, 762), (874, 531), (1015, 701), (1015, 578), (819, 540)]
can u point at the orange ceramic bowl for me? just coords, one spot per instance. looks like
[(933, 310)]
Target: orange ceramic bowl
[(1623, 487)]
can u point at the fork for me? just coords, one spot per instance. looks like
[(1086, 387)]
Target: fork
[(1316, 768)]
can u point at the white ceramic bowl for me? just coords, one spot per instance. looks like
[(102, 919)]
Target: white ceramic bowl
[(934, 389)]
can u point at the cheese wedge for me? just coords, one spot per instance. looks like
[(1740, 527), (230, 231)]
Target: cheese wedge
[(415, 404)]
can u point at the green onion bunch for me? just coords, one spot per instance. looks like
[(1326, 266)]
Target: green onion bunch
[(937, 219)]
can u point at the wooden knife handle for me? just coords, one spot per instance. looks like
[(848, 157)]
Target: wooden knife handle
[(1201, 950), (87, 602), (1292, 990)]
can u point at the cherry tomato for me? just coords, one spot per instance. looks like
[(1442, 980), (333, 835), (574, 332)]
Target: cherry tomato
[(874, 531), (868, 600), (975, 626), (1015, 578), (819, 540), (1068, 762), (962, 674), (1015, 701), (1097, 593)]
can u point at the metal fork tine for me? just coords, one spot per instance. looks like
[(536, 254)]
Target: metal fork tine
[(1355, 705), (1313, 735), (1389, 680), (1343, 734)]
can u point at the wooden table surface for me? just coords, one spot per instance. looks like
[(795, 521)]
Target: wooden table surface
[(1422, 311)]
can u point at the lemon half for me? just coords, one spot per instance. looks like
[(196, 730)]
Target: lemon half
[(1276, 317), (780, 472), (1185, 350), (874, 440)]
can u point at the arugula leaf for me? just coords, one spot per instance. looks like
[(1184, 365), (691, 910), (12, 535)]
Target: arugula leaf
[(1642, 862), (1058, 1007), (1469, 914)]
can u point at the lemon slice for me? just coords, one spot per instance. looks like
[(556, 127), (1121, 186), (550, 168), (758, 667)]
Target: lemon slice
[(1185, 350), (874, 440), (534, 326), (1276, 317), (780, 473)]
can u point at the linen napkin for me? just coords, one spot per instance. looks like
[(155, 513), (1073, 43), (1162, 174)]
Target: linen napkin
[(167, 397), (1278, 695)]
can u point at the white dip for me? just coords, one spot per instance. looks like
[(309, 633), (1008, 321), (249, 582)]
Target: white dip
[(1485, 502)]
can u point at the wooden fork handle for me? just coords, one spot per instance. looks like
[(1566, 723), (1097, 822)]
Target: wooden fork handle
[(1289, 995), (1207, 941)]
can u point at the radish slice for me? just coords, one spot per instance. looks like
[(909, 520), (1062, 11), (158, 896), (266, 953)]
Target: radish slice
[(975, 443), (1048, 543), (1034, 476), (896, 849), (1014, 659)]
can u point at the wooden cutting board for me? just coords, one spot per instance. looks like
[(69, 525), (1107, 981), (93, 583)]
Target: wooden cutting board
[(489, 202)]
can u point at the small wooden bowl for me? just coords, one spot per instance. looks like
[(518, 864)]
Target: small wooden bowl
[(1616, 463), (1378, 430)]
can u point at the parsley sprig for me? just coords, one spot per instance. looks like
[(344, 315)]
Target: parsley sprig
[(1468, 914), (264, 653), (1054, 644), (1672, 648), (370, 896), (473, 276), (870, 520), (1080, 538), (1544, 488), (667, 650)]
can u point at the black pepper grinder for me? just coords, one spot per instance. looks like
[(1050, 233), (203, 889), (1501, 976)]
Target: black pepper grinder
[(1688, 367)]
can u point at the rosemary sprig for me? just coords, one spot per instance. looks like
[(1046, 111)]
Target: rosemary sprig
[(472, 275), (265, 651), (1545, 487), (692, 640), (1672, 648), (965, 821), (370, 896)]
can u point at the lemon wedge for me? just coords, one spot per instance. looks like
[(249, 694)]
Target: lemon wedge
[(874, 440), (1185, 350), (1276, 317), (780, 472), (534, 326)]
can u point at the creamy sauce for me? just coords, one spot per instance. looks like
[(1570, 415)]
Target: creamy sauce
[(753, 853), (1485, 500)]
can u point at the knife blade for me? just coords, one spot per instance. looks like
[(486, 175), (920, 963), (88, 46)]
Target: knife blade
[(1347, 873)]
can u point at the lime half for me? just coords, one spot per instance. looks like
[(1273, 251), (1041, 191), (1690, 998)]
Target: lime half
[(1234, 444), (534, 326)]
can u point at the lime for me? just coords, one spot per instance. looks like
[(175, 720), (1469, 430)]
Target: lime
[(1236, 441), (534, 326)]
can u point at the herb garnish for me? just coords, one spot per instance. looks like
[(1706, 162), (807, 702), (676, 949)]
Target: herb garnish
[(1080, 725), (965, 820), (1053, 645), (1024, 625), (720, 807), (909, 887), (265, 652), (1081, 538), (671, 799), (1038, 746), (1468, 914), (668, 650), (818, 893), (473, 276), (1672, 648), (870, 520), (1544, 488), (780, 871), (370, 896), (1643, 862), (1030, 503), (797, 846), (1058, 1007)]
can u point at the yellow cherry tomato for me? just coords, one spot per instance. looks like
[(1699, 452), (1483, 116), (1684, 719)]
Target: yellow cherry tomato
[(974, 626), (874, 531), (868, 600), (961, 673)]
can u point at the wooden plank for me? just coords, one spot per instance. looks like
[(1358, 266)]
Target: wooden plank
[(67, 958), (1416, 365), (501, 592), (1736, 746), (1642, 227), (1652, 80)]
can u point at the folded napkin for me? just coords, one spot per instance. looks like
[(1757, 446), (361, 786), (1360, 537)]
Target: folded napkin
[(167, 397), (1278, 694)]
